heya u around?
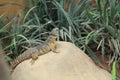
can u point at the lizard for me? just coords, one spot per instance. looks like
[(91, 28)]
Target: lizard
[(35, 52)]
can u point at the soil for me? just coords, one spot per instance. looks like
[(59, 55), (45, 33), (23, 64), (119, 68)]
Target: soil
[(105, 63)]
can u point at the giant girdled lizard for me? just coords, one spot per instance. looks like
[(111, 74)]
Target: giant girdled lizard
[(35, 52)]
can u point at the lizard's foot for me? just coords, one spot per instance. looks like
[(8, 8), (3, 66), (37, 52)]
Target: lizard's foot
[(55, 50), (34, 58)]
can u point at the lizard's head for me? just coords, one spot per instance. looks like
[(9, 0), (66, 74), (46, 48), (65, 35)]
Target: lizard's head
[(54, 32)]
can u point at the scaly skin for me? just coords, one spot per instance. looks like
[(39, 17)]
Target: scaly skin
[(35, 52)]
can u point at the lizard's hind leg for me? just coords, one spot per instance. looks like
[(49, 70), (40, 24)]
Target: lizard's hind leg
[(34, 57)]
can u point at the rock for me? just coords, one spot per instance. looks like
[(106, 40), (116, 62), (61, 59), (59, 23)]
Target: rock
[(69, 64)]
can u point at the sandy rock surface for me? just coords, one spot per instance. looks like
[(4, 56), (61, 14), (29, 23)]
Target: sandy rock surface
[(69, 64)]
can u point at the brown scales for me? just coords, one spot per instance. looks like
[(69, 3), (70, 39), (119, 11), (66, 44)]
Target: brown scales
[(35, 52)]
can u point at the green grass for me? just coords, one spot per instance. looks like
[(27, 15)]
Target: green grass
[(114, 71), (106, 20)]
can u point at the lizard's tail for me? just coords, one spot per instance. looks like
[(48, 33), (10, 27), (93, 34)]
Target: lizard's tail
[(18, 60), (12, 64)]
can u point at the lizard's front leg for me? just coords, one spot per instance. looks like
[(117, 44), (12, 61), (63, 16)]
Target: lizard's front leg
[(54, 49), (34, 57)]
